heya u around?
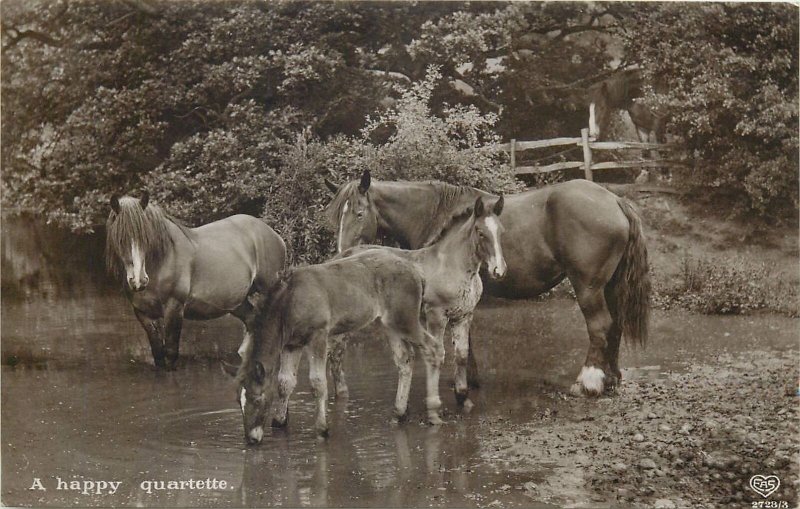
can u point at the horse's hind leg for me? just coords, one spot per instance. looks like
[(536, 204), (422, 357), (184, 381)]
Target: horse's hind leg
[(598, 322), (336, 353), (155, 335), (318, 376), (245, 313), (614, 375), (287, 380), (404, 359), (432, 347)]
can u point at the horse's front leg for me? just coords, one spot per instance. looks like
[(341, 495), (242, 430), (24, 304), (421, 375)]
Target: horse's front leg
[(473, 379), (173, 324), (287, 380), (459, 331), (336, 359), (318, 376), (155, 335)]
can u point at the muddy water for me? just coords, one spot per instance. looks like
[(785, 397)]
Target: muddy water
[(81, 402)]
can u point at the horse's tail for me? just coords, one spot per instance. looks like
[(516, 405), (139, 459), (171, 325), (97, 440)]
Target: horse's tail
[(632, 281)]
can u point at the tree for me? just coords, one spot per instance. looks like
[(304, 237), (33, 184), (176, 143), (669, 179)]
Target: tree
[(732, 94)]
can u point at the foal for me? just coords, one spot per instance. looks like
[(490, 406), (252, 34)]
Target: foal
[(309, 304), (450, 264)]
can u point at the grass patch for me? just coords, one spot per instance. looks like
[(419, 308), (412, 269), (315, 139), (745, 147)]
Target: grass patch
[(727, 286)]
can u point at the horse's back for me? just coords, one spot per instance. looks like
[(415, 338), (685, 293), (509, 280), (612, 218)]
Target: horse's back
[(245, 239), (346, 294), (228, 258)]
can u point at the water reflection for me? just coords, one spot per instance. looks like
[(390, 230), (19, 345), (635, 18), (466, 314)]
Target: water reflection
[(83, 400)]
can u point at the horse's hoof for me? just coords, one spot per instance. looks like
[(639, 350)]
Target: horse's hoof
[(400, 418), (461, 397), (435, 420), (468, 406)]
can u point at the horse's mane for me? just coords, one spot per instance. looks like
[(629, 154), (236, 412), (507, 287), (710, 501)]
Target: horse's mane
[(447, 205), (147, 227), (333, 210), (447, 211), (454, 222), (264, 311)]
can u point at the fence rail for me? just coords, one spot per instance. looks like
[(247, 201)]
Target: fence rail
[(588, 145)]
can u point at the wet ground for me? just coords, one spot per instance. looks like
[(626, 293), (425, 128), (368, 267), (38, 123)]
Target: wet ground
[(81, 402)]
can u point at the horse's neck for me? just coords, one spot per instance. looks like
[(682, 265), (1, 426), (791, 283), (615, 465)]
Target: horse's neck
[(410, 210), (456, 253)]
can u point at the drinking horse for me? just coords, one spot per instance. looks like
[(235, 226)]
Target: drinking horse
[(174, 272), (574, 229), (450, 265), (312, 307)]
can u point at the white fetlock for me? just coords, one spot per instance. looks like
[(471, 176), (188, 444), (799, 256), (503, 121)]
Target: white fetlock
[(591, 378)]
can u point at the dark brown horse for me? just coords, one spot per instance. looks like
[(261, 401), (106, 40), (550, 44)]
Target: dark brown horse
[(173, 272), (619, 92), (575, 229)]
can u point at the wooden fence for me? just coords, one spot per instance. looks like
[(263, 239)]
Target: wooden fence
[(588, 145)]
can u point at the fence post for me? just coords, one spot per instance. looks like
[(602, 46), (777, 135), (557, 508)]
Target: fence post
[(587, 154), (513, 154)]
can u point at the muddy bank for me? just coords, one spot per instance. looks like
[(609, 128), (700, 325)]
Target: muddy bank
[(688, 438)]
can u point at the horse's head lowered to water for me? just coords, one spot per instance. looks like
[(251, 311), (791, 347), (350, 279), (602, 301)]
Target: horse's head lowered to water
[(135, 235)]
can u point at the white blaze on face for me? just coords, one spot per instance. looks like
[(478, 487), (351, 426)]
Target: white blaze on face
[(497, 262), (243, 399), (594, 129), (341, 226), (136, 272)]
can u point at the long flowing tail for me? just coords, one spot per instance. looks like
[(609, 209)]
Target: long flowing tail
[(632, 281)]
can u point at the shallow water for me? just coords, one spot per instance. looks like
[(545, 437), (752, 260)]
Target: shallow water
[(81, 401)]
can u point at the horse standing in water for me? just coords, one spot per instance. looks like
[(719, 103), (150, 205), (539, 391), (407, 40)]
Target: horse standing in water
[(175, 272), (574, 229), (450, 265), (311, 308)]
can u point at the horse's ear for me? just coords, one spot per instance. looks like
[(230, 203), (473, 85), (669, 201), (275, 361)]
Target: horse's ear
[(229, 368), (259, 373), (145, 199), (366, 180), (498, 206), (330, 185), (479, 208), (115, 203)]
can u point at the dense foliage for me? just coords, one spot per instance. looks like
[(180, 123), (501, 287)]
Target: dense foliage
[(729, 80), (225, 107)]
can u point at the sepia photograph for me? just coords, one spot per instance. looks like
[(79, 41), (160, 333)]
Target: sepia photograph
[(370, 254)]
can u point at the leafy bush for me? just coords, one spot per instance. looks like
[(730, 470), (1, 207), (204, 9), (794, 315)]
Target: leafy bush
[(416, 145), (728, 76), (725, 286)]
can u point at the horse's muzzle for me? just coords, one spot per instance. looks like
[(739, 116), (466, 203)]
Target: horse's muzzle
[(140, 286)]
